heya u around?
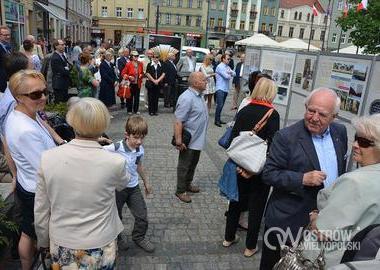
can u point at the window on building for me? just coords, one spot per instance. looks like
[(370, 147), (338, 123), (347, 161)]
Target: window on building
[(200, 3), (190, 4), (349, 40), (168, 18), (273, 12), (271, 28), (340, 5), (263, 27), (129, 12), (333, 39), (104, 11), (213, 4), (188, 20), (282, 14), (251, 26), (322, 37), (242, 25), (300, 16), (295, 15), (343, 38), (234, 6), (140, 14), (170, 3), (279, 31), (233, 24), (160, 18), (119, 11), (221, 5), (198, 21), (244, 8), (308, 17), (253, 8), (291, 30), (312, 34), (266, 10), (325, 19), (180, 3), (302, 32), (220, 22), (212, 23), (178, 19)]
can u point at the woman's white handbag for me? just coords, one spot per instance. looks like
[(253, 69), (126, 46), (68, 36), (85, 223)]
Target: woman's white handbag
[(248, 150)]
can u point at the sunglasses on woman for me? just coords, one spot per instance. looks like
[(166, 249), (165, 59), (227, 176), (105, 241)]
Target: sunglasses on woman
[(36, 94), (363, 142)]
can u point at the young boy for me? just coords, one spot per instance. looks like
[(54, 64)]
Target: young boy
[(132, 150)]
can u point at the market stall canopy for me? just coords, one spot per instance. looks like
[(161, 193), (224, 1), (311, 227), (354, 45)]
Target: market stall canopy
[(258, 40), (351, 50), (297, 44)]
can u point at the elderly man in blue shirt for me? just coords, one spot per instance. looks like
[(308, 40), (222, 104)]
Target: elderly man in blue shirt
[(191, 115), (223, 76)]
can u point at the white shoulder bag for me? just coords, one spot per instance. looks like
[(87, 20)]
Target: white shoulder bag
[(248, 150)]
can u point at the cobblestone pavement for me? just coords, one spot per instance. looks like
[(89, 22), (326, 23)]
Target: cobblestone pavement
[(187, 236)]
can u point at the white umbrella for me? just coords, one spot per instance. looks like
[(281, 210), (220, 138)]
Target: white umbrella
[(258, 40), (297, 44)]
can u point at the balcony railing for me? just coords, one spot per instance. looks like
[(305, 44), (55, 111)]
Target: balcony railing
[(252, 14), (234, 13), (220, 29)]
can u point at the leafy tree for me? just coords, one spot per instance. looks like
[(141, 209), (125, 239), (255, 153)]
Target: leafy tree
[(365, 25)]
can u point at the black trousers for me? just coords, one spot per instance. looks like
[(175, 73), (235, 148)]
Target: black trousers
[(187, 162), (254, 193), (169, 95), (270, 256), (153, 95), (134, 101), (60, 95)]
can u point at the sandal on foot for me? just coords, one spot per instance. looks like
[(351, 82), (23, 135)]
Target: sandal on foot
[(249, 252), (229, 243)]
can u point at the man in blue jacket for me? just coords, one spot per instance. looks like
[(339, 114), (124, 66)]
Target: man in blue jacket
[(303, 159)]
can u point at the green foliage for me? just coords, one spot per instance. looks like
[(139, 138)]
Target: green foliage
[(7, 228), (365, 25), (60, 108)]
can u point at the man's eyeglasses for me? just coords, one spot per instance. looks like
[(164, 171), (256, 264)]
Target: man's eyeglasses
[(364, 142), (321, 114), (37, 94)]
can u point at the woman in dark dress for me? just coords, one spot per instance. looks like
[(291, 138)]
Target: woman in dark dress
[(252, 189), (155, 76), (108, 80)]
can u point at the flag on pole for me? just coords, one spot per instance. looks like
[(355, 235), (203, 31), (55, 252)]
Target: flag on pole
[(362, 5), (345, 10), (315, 11)]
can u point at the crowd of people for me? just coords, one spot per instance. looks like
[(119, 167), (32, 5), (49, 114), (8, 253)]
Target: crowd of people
[(305, 168)]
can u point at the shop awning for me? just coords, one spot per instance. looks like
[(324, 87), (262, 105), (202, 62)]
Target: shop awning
[(52, 11)]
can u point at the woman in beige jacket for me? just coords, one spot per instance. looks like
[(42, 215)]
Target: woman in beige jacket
[(75, 208)]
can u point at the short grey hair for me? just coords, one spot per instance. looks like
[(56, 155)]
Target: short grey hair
[(324, 89), (368, 126)]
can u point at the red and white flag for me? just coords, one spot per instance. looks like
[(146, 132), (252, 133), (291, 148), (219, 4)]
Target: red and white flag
[(345, 10), (362, 5), (315, 11)]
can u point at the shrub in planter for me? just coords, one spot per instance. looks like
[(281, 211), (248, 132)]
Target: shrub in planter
[(7, 229)]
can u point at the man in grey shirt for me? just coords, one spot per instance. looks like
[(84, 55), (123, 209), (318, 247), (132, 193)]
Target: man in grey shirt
[(191, 115)]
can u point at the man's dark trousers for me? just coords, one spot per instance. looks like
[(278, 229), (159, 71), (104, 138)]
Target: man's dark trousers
[(136, 204), (187, 162)]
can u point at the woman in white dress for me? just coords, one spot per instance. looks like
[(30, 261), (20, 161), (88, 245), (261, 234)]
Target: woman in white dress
[(208, 71)]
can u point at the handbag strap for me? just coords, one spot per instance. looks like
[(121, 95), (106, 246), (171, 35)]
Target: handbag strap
[(262, 122)]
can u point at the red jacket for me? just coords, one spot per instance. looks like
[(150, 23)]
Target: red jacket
[(129, 70)]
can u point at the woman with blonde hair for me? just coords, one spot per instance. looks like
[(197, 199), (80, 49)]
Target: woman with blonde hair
[(27, 137), (207, 69), (82, 177), (252, 191)]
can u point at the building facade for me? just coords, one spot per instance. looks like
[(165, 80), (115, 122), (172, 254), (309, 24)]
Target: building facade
[(296, 20), (185, 18), (217, 18), (242, 19), (268, 17), (337, 37), (78, 22), (116, 21)]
